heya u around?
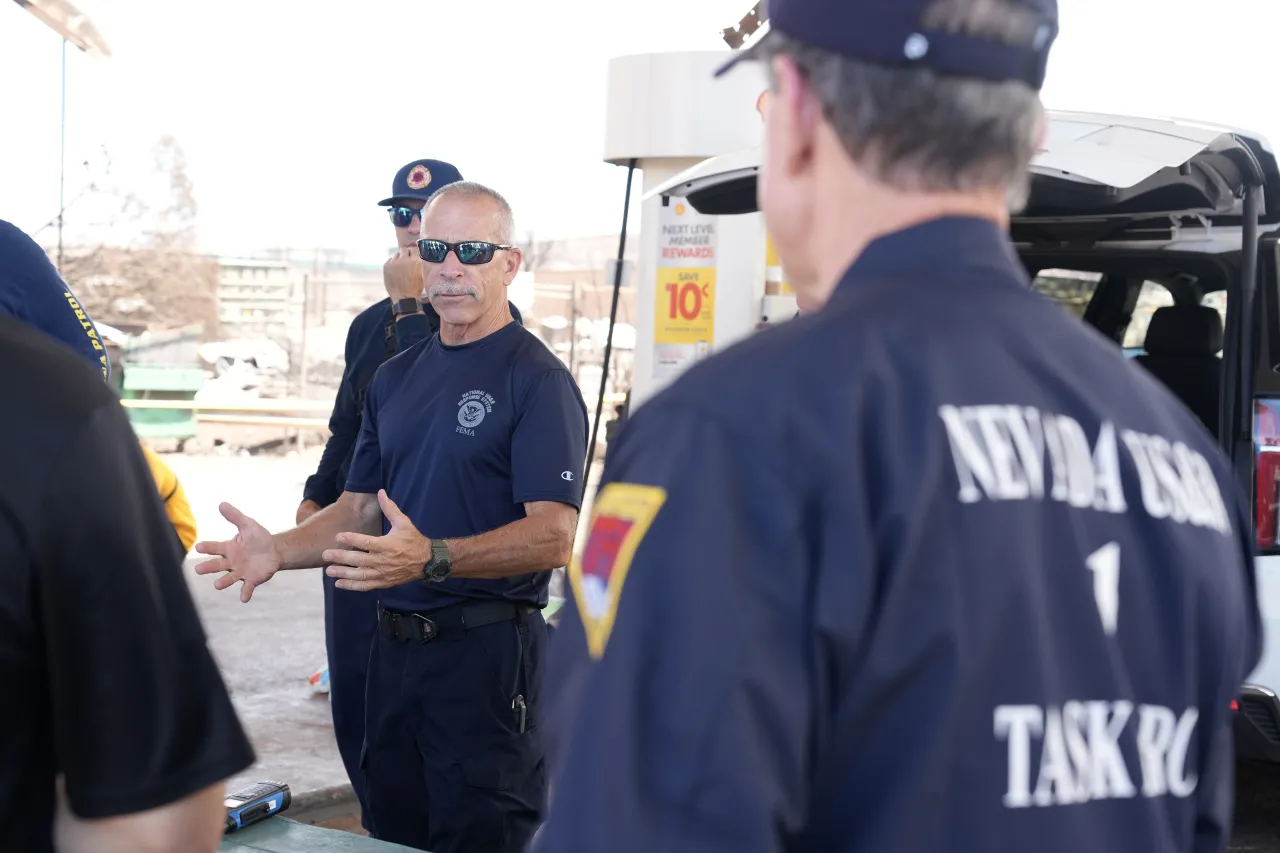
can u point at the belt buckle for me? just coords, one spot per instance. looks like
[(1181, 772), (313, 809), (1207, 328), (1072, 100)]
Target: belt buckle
[(428, 627)]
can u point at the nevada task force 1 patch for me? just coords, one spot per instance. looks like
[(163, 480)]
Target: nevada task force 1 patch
[(619, 520)]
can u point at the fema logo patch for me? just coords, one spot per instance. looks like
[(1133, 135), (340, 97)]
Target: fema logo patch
[(619, 521), (419, 177), (472, 409)]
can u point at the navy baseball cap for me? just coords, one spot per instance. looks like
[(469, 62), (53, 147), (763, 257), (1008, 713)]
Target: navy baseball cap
[(420, 179), (889, 32)]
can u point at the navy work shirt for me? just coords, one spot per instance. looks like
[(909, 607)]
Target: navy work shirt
[(461, 437), (373, 337), (32, 291), (969, 582)]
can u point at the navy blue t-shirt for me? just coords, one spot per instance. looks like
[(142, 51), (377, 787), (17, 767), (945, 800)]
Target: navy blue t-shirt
[(373, 337), (934, 568), (461, 437), (32, 291)]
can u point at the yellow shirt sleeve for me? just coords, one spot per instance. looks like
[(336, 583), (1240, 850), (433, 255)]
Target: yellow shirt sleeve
[(175, 499)]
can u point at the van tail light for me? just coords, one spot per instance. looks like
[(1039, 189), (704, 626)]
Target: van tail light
[(1235, 706), (1266, 495), (1266, 474)]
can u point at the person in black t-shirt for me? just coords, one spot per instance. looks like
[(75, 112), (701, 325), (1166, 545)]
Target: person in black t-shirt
[(109, 691)]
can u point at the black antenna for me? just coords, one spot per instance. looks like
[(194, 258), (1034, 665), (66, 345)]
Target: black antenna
[(613, 321)]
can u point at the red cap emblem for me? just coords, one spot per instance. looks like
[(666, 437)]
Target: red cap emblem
[(419, 177)]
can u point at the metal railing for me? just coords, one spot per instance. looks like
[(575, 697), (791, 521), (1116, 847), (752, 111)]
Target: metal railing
[(285, 413)]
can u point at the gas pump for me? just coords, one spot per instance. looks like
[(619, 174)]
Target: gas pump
[(704, 281)]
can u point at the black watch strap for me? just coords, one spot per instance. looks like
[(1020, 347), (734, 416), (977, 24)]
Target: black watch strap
[(405, 306)]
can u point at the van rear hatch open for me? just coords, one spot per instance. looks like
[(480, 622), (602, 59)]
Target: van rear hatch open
[(1104, 178), (1121, 189), (1092, 169)]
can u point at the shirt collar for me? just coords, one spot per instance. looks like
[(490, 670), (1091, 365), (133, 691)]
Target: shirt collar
[(949, 243)]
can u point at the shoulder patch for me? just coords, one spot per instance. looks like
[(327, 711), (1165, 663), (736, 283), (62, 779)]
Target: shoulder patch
[(620, 519)]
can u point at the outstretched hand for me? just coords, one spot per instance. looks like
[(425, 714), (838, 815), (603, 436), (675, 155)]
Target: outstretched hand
[(251, 557), (379, 562)]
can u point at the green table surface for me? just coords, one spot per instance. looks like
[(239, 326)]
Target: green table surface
[(278, 835)]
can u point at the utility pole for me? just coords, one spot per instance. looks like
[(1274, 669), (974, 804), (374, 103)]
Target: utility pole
[(62, 157), (302, 374), (302, 382), (72, 25), (573, 329)]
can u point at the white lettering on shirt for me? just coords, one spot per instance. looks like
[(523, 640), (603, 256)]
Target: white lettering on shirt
[(1080, 760), (1018, 453)]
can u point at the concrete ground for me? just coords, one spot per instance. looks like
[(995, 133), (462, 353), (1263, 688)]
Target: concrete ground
[(269, 647)]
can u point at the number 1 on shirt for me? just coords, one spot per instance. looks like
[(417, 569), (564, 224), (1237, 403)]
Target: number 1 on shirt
[(1105, 565)]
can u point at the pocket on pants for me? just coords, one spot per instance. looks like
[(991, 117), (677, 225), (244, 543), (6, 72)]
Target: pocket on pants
[(505, 765), (504, 648)]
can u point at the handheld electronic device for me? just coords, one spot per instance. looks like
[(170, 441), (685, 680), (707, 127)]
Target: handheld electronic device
[(256, 803)]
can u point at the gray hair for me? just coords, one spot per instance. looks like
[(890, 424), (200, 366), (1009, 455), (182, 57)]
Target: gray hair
[(505, 225), (918, 131)]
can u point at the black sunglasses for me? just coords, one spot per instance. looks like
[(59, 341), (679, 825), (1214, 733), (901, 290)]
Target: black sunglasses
[(402, 216), (470, 252)]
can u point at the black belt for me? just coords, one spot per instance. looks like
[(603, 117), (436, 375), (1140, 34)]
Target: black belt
[(425, 627)]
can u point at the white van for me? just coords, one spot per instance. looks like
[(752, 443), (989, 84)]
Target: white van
[(1136, 220)]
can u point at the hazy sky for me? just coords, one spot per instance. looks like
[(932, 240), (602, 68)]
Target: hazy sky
[(294, 115)]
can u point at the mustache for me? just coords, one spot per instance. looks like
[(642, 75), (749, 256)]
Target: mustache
[(451, 290)]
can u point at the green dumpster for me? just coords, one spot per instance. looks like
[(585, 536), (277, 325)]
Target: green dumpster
[(161, 382)]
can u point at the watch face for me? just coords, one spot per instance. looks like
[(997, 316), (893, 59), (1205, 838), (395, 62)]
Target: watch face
[(441, 561), (440, 564)]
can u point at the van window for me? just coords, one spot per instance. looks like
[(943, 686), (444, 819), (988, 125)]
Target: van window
[(1072, 289)]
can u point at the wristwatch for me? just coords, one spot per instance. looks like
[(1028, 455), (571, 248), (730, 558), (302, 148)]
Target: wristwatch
[(441, 563), (401, 307)]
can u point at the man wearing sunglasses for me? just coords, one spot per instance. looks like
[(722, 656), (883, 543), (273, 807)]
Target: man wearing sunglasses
[(392, 325), (480, 435)]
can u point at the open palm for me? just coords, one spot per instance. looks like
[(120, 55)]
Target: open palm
[(251, 557)]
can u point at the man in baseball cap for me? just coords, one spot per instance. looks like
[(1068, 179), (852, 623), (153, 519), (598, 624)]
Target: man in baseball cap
[(931, 597), (383, 329), (418, 181)]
